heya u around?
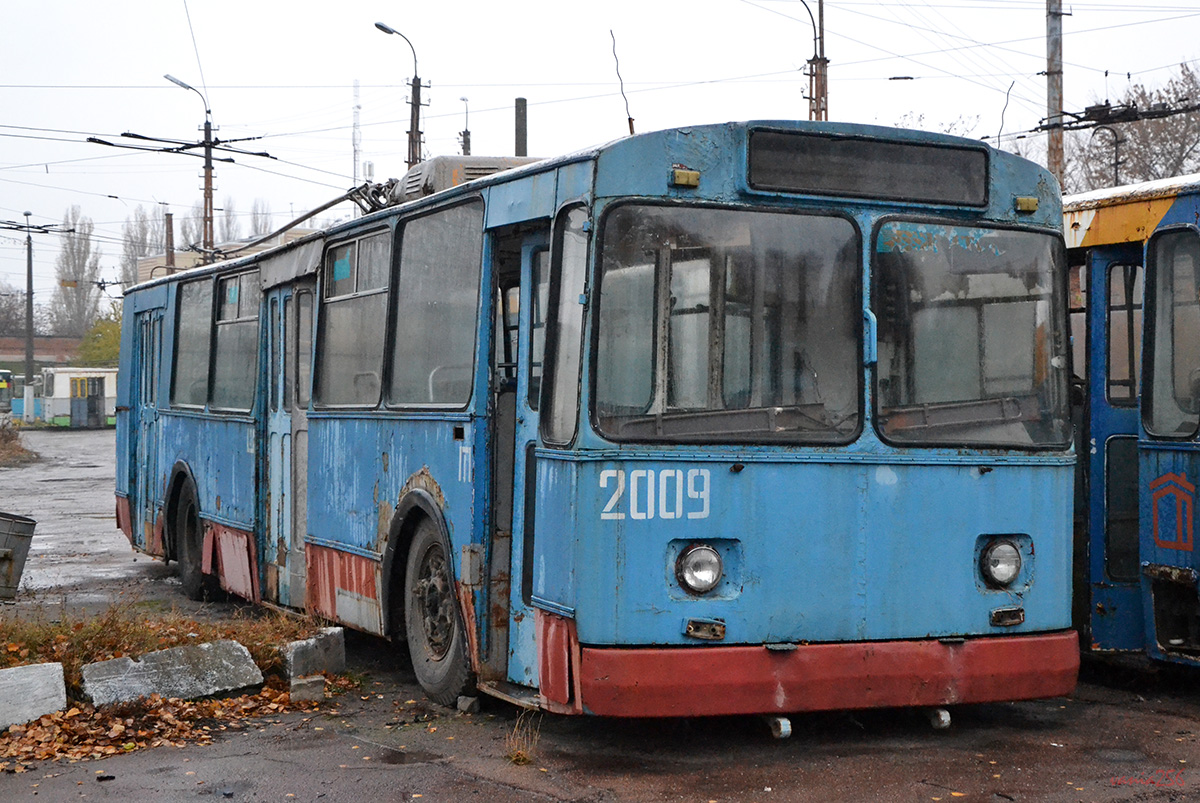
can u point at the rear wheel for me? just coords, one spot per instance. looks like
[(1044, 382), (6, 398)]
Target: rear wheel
[(436, 638), (189, 546)]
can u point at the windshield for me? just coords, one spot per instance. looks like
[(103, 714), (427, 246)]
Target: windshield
[(972, 348), (1173, 341), (727, 325)]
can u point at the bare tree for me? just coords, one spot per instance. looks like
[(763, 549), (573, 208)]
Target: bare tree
[(142, 235), (12, 310), (191, 226), (1127, 153), (260, 218), (77, 296), (231, 227)]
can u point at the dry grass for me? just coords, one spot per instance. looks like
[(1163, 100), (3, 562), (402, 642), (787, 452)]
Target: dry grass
[(11, 451), (127, 630), (520, 743)]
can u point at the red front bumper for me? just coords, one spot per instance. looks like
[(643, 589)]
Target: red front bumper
[(710, 681)]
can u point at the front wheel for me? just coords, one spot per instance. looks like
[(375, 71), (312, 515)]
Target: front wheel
[(436, 639)]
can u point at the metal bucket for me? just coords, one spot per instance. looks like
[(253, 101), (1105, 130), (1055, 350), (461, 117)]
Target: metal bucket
[(16, 533)]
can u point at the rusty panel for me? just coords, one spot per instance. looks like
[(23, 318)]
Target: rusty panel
[(822, 677), (344, 587), (466, 604), (125, 518), (237, 561), (154, 545), (558, 661)]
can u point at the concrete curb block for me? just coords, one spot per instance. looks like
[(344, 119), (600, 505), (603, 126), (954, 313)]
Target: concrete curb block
[(29, 692), (309, 689), (191, 672), (324, 652)]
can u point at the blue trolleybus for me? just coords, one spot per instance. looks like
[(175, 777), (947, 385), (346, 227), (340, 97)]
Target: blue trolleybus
[(751, 418), (1135, 275)]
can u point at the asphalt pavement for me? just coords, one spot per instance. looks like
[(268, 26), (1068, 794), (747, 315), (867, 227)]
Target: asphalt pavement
[(1132, 736)]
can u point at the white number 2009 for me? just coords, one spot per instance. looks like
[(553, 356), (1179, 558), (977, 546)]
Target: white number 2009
[(656, 494)]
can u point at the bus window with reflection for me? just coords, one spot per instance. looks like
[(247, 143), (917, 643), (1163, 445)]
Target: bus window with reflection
[(725, 325), (1173, 341), (972, 340)]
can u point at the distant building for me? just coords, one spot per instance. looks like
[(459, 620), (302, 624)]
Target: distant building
[(155, 265)]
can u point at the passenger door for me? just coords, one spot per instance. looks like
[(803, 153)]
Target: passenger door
[(522, 265), (1110, 453), (145, 471), (290, 349)]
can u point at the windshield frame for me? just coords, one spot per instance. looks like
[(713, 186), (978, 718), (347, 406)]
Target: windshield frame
[(1006, 403), (794, 412)]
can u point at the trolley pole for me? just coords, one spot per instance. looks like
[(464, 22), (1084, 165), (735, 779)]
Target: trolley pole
[(1054, 89)]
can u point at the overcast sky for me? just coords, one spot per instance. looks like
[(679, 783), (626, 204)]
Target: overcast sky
[(285, 71)]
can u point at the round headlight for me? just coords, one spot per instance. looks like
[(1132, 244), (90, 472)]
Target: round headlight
[(1001, 563), (699, 569)]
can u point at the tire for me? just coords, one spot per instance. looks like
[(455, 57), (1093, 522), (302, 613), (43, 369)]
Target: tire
[(189, 546), (433, 625)]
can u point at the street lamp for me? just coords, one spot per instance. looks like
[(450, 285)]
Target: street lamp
[(466, 132), (414, 125), (207, 244), (818, 84)]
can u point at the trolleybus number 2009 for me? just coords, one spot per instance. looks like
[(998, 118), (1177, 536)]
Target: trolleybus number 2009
[(669, 493)]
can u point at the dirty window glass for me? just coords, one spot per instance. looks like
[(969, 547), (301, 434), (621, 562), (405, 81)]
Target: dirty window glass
[(1173, 339), (235, 352), (437, 301), (565, 326), (722, 325), (972, 340), (193, 325), (1124, 334), (353, 322)]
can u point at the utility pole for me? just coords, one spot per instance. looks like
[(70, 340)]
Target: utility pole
[(521, 134), (29, 229), (207, 244), (414, 124), (818, 67), (466, 132), (27, 414), (1054, 89)]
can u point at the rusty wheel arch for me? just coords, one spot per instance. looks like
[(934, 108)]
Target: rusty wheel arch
[(181, 475), (415, 505)]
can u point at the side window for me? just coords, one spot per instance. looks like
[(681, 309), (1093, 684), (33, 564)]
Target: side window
[(193, 324), (1077, 310), (350, 343), (537, 327), (437, 307), (1124, 334), (235, 347), (303, 350), (564, 326)]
